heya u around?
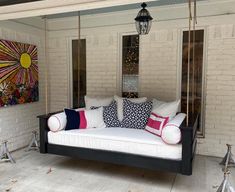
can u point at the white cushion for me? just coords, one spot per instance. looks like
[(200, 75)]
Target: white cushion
[(58, 121), (165, 109), (94, 118), (119, 101), (134, 141), (97, 101), (171, 133)]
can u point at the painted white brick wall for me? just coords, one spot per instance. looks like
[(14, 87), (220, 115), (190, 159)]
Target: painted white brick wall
[(158, 64), (220, 91), (18, 122), (57, 72), (102, 61)]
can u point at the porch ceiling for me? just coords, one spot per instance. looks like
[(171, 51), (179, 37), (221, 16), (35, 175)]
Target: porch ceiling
[(13, 2), (157, 3), (48, 7), (65, 8)]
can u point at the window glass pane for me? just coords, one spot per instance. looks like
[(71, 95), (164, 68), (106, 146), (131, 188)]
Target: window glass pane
[(196, 73), (130, 65), (79, 73)]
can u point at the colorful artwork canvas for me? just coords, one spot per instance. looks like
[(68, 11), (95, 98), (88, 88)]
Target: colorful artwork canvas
[(18, 73)]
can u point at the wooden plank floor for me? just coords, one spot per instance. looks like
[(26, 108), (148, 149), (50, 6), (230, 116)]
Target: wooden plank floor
[(35, 172)]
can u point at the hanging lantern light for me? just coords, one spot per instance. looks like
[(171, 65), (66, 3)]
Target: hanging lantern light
[(143, 20)]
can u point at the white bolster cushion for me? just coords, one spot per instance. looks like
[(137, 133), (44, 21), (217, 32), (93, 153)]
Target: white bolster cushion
[(171, 133), (58, 121)]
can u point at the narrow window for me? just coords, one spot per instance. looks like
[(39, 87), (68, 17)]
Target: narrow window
[(196, 75), (130, 66), (78, 73)]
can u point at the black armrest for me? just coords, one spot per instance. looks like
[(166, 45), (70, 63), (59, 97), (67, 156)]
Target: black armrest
[(43, 131), (188, 143)]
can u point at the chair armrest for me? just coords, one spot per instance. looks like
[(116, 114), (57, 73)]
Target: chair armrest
[(44, 129), (189, 142)]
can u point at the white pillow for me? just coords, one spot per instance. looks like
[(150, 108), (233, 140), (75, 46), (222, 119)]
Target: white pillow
[(58, 121), (171, 133), (94, 118), (119, 101), (165, 109), (97, 101)]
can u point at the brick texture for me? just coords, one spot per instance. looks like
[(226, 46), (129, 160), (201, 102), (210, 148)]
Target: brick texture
[(220, 91), (17, 122), (102, 51), (158, 64)]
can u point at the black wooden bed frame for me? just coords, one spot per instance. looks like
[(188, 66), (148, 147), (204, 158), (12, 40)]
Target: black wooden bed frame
[(183, 166)]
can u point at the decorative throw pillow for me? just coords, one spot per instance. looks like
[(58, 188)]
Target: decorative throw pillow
[(165, 109), (73, 119), (171, 133), (94, 118), (119, 101), (110, 115), (83, 121), (57, 122), (97, 101), (135, 114), (156, 123)]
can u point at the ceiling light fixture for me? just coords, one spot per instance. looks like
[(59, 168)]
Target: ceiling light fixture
[(143, 20)]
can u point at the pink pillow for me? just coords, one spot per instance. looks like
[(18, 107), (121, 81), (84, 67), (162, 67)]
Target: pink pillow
[(156, 123), (83, 121)]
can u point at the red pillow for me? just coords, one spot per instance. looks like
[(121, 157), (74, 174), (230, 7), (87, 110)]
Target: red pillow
[(156, 123), (83, 121)]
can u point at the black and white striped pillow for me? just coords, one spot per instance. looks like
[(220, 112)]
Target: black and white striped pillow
[(135, 114)]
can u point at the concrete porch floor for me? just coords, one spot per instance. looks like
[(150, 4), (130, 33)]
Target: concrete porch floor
[(35, 172)]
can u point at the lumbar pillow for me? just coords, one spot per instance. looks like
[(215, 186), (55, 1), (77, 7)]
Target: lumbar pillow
[(73, 119), (57, 122), (119, 101), (171, 133), (135, 114), (110, 115), (156, 123), (94, 118), (97, 101), (165, 109)]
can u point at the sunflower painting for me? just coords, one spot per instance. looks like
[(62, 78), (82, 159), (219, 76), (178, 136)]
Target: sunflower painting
[(18, 73)]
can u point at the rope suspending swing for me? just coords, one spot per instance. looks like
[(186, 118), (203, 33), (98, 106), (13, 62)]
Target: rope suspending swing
[(194, 20), (79, 55)]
